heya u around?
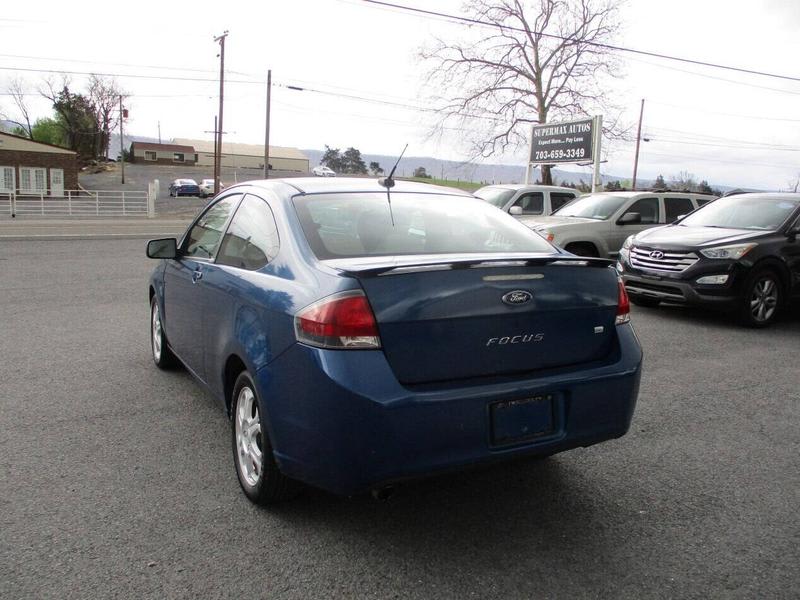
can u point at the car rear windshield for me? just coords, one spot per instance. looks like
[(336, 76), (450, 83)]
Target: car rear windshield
[(495, 195), (744, 212), (362, 224), (596, 206)]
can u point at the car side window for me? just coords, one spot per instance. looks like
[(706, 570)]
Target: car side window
[(675, 207), (531, 203), (205, 235), (251, 240), (647, 208), (559, 199)]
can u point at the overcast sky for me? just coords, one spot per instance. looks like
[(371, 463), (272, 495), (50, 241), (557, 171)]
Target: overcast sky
[(708, 122)]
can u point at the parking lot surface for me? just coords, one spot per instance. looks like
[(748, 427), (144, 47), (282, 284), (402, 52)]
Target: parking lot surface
[(116, 479)]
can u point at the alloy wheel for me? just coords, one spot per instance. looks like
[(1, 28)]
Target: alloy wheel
[(156, 336), (249, 442), (764, 299)]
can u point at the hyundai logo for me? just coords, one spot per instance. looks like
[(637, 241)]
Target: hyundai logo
[(657, 254), (517, 297)]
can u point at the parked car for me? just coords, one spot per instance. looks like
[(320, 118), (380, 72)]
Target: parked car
[(597, 224), (357, 342), (740, 252), (207, 188), (522, 199), (323, 171), (184, 187)]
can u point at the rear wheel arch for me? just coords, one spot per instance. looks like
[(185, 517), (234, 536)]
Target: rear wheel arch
[(234, 366)]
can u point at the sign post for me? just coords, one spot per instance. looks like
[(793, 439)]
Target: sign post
[(597, 184)]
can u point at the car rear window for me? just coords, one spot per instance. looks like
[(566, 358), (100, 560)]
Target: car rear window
[(362, 224)]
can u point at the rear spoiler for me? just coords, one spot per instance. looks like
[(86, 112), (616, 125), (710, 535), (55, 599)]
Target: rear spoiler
[(380, 270)]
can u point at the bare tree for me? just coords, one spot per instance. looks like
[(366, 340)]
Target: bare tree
[(684, 181), (540, 62), (105, 95), (16, 90)]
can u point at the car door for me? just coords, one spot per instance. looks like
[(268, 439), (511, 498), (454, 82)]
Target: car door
[(183, 282), (234, 301), (650, 211)]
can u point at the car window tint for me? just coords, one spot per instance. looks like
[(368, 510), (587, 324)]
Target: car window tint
[(675, 207), (701, 201), (251, 240), (559, 199), (531, 203), (204, 237), (647, 208), (365, 224)]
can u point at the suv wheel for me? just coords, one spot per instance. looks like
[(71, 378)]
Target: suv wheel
[(762, 298)]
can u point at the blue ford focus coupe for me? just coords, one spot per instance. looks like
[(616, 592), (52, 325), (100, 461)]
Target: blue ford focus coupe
[(359, 334)]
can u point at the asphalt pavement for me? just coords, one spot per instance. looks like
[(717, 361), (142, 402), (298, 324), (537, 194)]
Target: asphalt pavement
[(117, 480)]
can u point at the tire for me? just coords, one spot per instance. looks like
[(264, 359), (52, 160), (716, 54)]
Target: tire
[(583, 249), (162, 355), (762, 298), (258, 473), (644, 301)]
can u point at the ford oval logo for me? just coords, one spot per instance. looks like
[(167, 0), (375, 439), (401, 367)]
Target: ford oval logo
[(657, 254), (517, 297)]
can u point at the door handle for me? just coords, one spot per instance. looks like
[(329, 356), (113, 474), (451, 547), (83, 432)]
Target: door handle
[(197, 275)]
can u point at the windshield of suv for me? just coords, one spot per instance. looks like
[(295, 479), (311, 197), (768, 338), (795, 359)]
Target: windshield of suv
[(495, 195), (360, 224), (595, 206), (744, 212)]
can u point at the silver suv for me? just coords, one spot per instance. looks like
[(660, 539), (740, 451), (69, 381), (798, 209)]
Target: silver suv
[(520, 199), (598, 224)]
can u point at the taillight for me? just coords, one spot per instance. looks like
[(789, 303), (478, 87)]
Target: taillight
[(342, 320), (623, 304)]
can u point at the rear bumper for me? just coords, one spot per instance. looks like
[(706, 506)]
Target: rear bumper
[(339, 420)]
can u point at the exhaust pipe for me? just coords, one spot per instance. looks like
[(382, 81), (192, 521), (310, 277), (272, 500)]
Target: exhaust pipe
[(383, 494)]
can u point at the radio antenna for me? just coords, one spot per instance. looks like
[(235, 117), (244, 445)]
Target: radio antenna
[(388, 183)]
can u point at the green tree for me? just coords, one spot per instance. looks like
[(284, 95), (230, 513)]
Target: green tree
[(49, 131), (76, 115), (353, 163), (421, 173), (659, 183), (613, 186), (375, 168), (704, 188), (332, 158)]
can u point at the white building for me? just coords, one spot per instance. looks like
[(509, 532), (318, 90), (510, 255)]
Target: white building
[(248, 155)]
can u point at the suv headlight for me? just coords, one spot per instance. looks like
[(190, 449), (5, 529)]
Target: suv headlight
[(628, 242), (730, 252)]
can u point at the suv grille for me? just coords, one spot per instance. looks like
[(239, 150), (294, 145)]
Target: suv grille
[(672, 262)]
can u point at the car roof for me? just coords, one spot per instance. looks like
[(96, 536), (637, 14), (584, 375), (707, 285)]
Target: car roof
[(532, 186), (648, 193), (317, 185)]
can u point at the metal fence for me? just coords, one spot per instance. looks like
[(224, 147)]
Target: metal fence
[(79, 203)]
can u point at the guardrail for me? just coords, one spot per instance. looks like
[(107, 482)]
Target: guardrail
[(79, 203)]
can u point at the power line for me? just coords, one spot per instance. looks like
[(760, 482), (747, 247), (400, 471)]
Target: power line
[(724, 114), (432, 13)]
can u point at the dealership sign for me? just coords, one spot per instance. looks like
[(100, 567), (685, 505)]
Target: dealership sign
[(563, 142)]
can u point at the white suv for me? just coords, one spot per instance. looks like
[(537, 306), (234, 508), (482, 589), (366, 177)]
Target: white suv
[(520, 199), (598, 224)]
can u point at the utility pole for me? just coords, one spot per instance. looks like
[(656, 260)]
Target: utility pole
[(215, 132), (218, 154), (266, 133), (121, 140), (159, 132), (638, 141)]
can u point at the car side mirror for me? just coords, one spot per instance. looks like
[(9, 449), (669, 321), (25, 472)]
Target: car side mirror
[(515, 210), (793, 232), (163, 248), (631, 218)]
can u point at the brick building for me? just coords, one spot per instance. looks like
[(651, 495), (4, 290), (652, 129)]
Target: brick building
[(28, 167), (163, 154)]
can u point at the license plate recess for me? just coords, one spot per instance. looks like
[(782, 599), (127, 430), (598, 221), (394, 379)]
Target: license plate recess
[(516, 421)]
